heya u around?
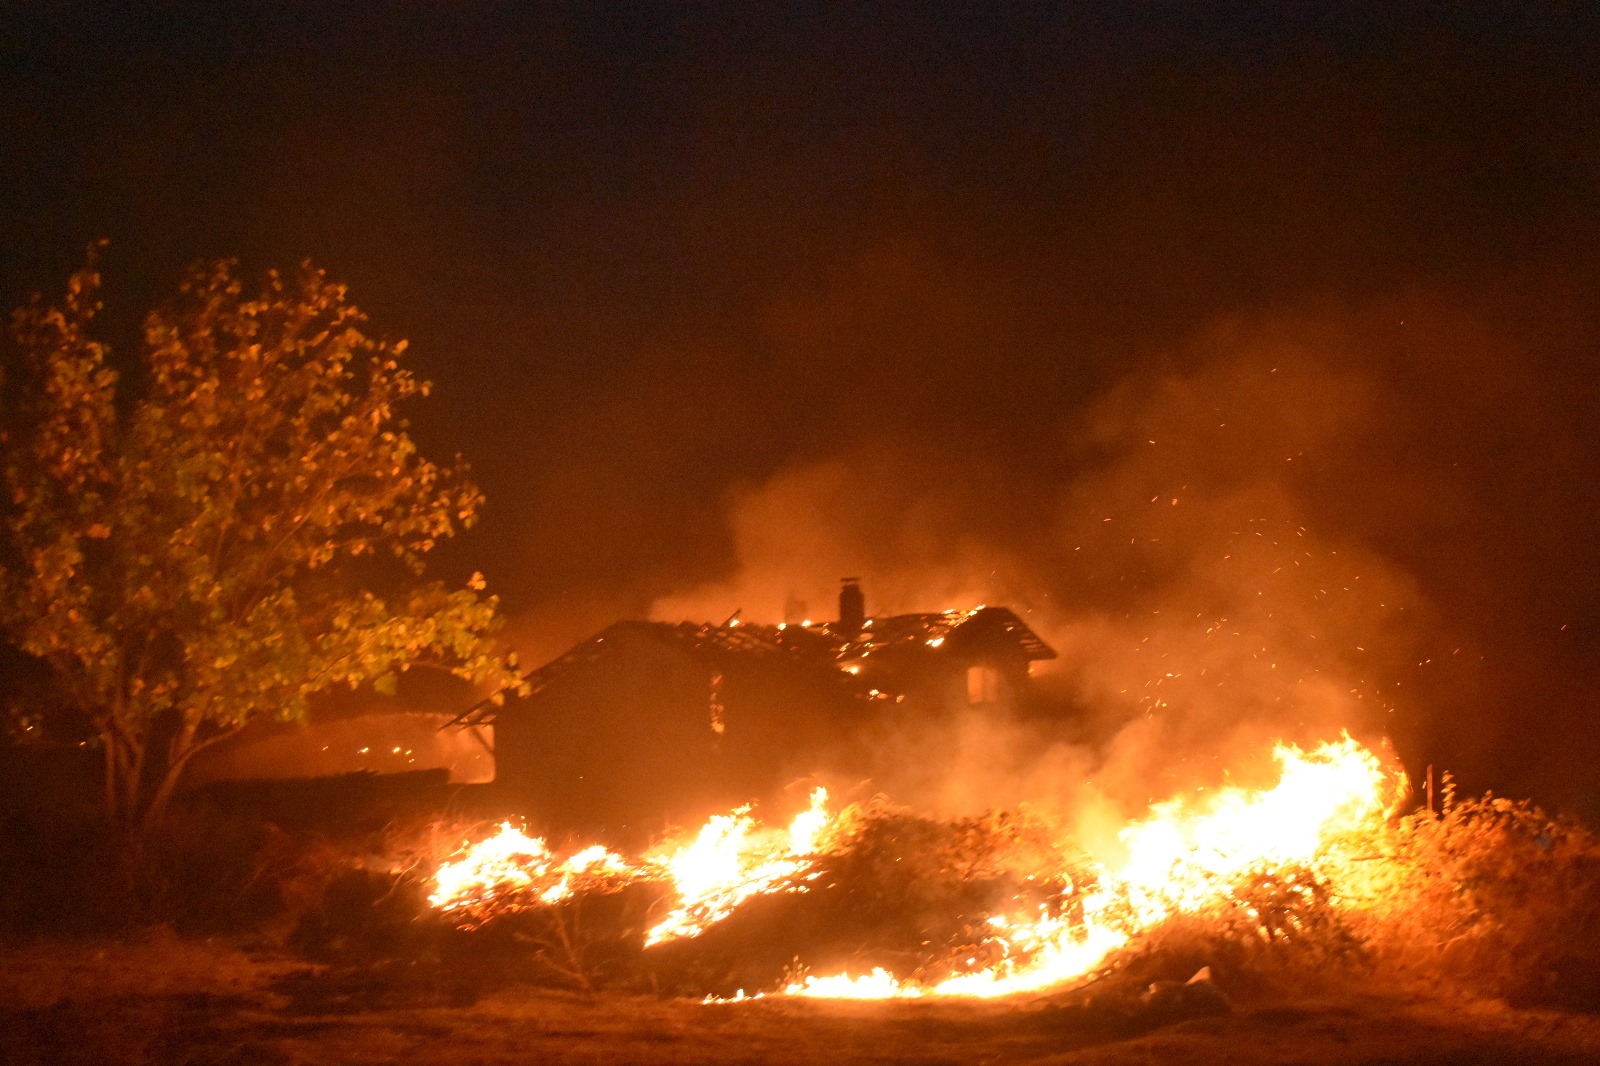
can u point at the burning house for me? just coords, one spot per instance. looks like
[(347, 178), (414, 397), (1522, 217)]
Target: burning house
[(650, 724)]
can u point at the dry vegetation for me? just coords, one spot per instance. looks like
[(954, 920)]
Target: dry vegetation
[(1492, 896), (163, 1000), (1472, 934), (1485, 897)]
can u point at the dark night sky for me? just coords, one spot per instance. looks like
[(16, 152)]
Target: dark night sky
[(723, 302)]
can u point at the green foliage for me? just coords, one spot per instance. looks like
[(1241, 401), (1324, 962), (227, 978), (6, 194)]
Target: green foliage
[(180, 556)]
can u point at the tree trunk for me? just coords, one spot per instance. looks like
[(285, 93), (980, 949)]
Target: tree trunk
[(110, 785), (183, 748)]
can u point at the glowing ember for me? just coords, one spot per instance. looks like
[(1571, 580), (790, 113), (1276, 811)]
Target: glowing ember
[(1185, 855)]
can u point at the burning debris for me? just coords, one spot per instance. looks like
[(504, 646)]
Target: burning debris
[(729, 860), (984, 908)]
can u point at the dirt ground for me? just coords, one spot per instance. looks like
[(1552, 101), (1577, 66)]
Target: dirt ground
[(162, 1000)]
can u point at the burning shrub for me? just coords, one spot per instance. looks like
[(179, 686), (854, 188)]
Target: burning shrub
[(1275, 928), (1303, 885), (906, 882), (983, 907), (891, 889)]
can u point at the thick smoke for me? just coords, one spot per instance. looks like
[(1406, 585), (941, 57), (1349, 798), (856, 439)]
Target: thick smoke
[(722, 310), (1191, 566)]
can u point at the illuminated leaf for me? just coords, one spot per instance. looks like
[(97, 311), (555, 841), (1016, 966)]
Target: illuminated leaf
[(180, 554)]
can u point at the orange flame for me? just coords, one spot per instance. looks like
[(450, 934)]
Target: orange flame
[(512, 865), (729, 862), (1183, 855)]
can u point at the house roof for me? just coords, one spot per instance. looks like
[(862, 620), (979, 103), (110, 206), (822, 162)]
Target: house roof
[(821, 642), (933, 630)]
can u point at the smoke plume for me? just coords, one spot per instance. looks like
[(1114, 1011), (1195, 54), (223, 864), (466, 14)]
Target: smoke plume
[(1220, 546)]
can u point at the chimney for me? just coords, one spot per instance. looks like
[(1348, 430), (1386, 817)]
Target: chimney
[(852, 608)]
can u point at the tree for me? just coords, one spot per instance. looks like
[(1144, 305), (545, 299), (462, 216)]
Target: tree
[(183, 557)]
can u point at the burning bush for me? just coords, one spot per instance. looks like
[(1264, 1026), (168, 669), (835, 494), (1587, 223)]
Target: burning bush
[(1278, 929), (1311, 882), (890, 889)]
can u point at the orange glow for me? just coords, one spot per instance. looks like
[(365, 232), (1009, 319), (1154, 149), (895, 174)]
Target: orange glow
[(728, 861), (1182, 856), (731, 860), (512, 865)]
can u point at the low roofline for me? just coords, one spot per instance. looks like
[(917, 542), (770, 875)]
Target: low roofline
[(736, 637)]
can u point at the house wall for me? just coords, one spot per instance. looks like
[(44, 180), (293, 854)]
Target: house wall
[(632, 742), (626, 747), (623, 748), (784, 723)]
